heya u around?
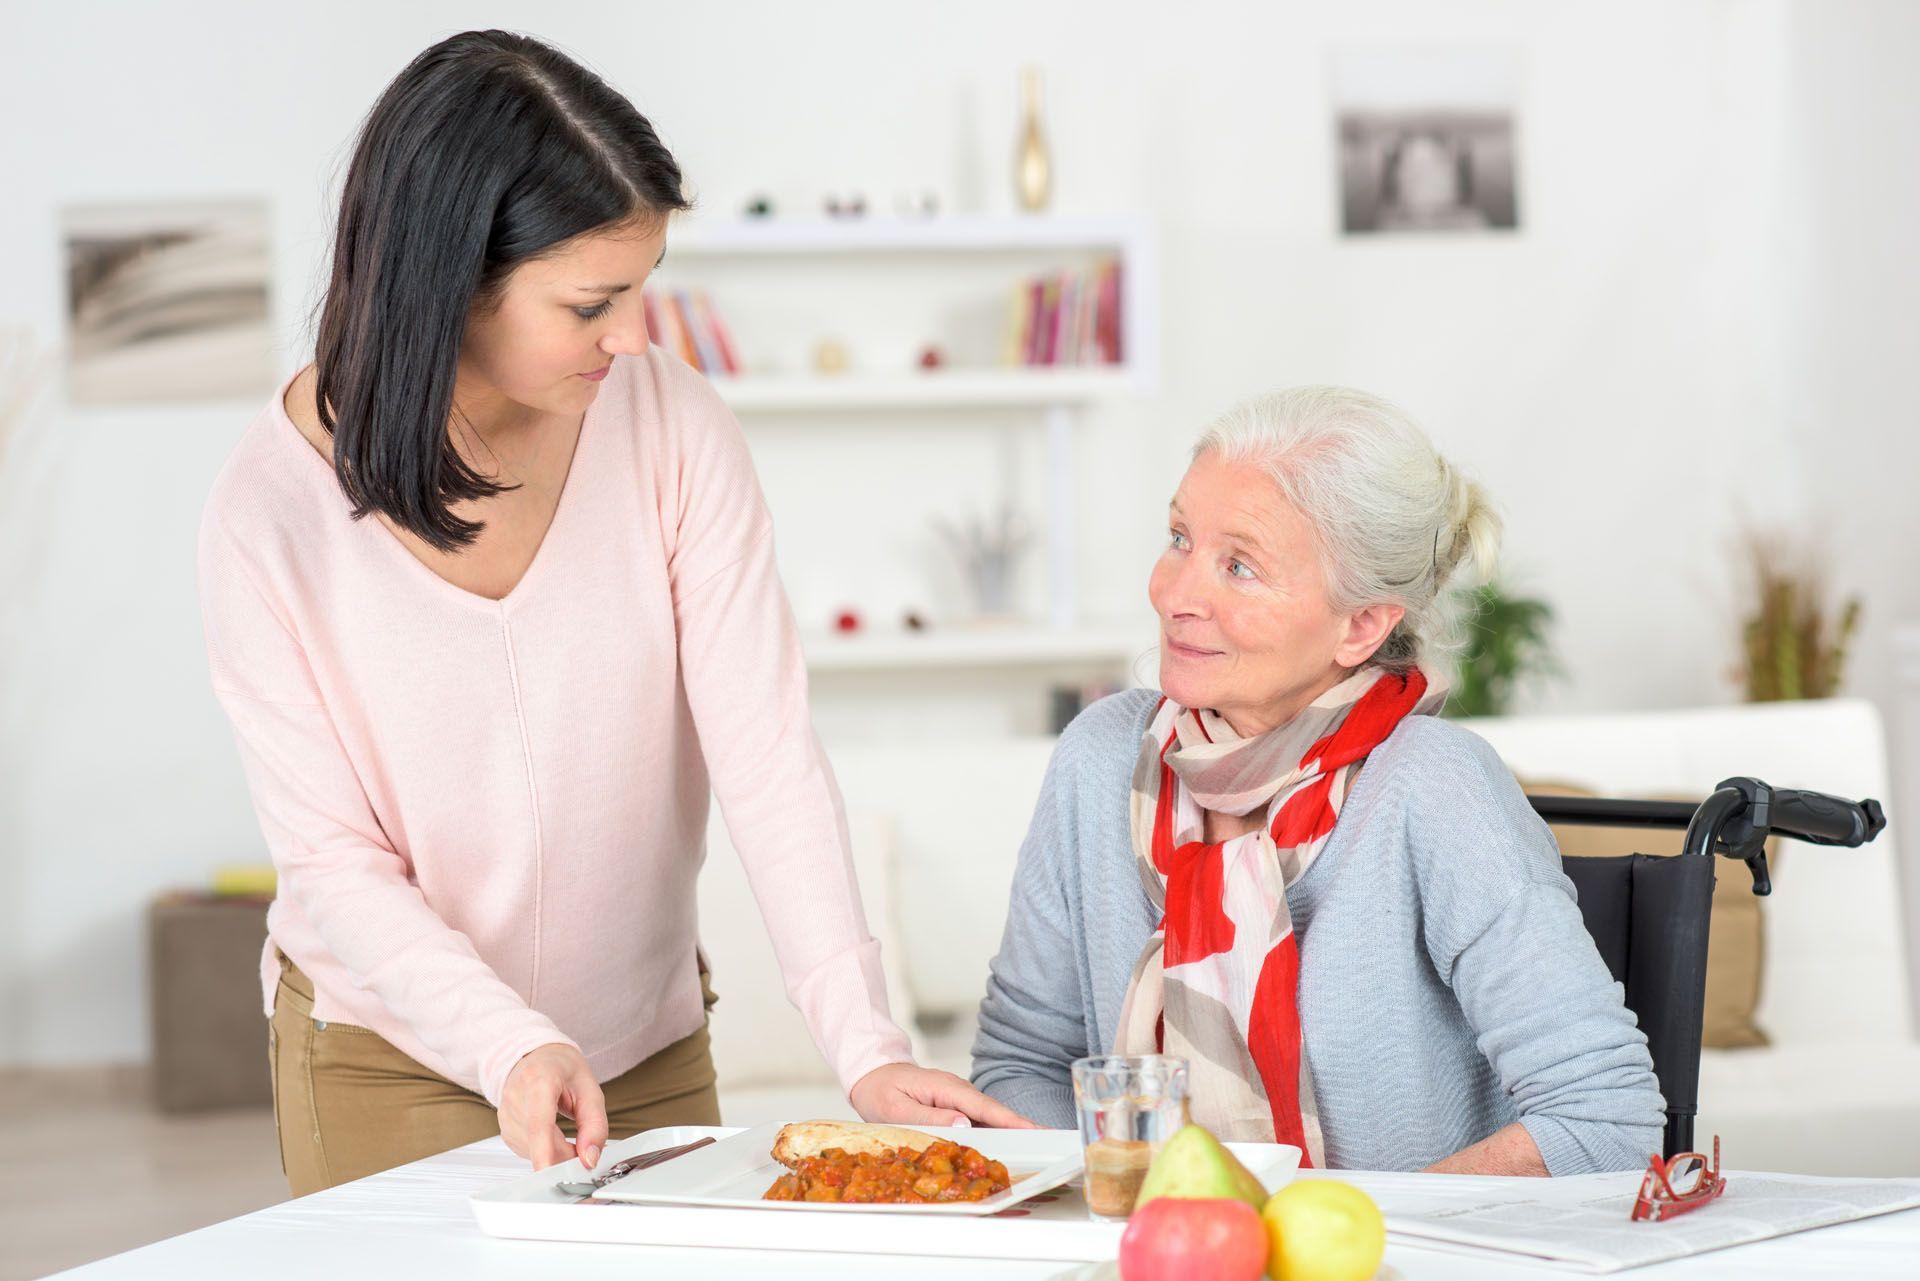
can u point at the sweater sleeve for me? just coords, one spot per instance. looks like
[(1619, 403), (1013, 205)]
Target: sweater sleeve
[(746, 684), (1504, 930), (332, 859), (1032, 1020)]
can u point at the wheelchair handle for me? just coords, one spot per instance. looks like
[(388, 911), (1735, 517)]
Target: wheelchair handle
[(1824, 819), (1743, 812), (1734, 821)]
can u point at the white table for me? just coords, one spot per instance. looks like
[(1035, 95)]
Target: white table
[(414, 1222)]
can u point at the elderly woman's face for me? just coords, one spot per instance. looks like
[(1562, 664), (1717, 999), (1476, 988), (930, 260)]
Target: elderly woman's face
[(1245, 628)]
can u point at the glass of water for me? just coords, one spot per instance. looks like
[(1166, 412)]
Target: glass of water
[(1129, 1104)]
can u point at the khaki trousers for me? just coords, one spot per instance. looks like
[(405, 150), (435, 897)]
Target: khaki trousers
[(348, 1104)]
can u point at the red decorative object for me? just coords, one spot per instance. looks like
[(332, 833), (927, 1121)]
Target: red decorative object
[(931, 357), (847, 621)]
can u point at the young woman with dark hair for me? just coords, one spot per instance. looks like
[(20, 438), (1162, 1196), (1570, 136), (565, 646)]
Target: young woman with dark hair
[(490, 599)]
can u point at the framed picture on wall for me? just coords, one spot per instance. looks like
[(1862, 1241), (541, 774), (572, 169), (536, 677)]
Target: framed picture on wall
[(167, 302), (1426, 139)]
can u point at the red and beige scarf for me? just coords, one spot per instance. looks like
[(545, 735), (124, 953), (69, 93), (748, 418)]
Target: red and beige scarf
[(1216, 982)]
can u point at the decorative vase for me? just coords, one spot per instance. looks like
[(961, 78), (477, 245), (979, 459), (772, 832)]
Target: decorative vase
[(1793, 643), (987, 551), (1033, 171)]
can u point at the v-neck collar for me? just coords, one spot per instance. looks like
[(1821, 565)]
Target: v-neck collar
[(377, 529)]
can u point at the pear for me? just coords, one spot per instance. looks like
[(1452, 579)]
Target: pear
[(1194, 1165)]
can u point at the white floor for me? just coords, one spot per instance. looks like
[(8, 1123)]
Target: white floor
[(68, 1136)]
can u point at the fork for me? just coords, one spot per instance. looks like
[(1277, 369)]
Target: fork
[(619, 1169)]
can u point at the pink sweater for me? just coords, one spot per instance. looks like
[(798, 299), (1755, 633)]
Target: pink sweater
[(488, 816)]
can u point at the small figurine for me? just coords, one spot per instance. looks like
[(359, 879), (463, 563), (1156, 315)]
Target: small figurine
[(913, 621), (759, 206), (847, 622), (920, 204), (853, 206), (931, 357), (830, 357)]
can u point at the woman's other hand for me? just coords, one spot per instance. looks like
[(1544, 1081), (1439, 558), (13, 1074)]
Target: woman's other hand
[(907, 1094), (545, 1084)]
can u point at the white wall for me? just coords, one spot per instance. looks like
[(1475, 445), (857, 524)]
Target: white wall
[(1854, 405), (1622, 372)]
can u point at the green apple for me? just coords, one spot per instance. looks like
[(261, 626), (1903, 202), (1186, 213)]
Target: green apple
[(1194, 1165)]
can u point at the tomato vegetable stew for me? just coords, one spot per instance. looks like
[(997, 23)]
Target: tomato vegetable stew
[(945, 1171)]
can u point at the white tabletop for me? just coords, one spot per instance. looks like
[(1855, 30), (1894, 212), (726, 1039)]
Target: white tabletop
[(415, 1222)]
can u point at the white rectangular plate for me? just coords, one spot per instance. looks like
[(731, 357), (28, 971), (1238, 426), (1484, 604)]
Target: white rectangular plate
[(737, 1171), (1052, 1225)]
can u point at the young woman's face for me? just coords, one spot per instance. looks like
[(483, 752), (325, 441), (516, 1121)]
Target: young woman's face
[(1245, 627), (561, 319)]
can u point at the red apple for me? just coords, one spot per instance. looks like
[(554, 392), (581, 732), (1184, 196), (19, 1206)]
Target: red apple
[(1187, 1239)]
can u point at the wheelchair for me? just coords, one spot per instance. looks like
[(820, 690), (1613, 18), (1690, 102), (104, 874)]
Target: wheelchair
[(1648, 914)]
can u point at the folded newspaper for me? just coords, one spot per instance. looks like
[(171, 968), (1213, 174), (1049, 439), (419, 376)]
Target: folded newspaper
[(1582, 1222)]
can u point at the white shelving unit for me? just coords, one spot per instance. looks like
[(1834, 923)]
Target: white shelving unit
[(1055, 395), (959, 648), (956, 233), (933, 389)]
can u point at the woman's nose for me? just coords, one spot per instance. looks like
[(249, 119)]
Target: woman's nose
[(628, 338), (1182, 593)]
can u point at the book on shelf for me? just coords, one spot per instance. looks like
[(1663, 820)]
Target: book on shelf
[(1066, 318), (685, 323)]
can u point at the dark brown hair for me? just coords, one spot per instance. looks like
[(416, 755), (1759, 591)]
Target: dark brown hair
[(489, 150)]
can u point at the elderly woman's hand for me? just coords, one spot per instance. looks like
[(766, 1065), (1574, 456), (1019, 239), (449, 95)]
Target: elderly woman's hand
[(551, 1081), (905, 1093)]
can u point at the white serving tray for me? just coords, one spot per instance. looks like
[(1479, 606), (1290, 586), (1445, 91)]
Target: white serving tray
[(1052, 1225), (737, 1171)]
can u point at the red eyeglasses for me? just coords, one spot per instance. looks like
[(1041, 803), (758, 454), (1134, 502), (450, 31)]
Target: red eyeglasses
[(1687, 1182)]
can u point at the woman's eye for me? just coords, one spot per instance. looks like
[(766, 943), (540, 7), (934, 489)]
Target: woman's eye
[(594, 312), (1238, 568), (1178, 539)]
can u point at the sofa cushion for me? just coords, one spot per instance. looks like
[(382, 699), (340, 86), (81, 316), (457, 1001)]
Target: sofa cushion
[(1836, 1107)]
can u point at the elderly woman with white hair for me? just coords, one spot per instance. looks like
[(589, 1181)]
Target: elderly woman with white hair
[(1283, 867)]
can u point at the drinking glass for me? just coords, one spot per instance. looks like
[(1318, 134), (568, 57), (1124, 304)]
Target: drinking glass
[(1130, 1105)]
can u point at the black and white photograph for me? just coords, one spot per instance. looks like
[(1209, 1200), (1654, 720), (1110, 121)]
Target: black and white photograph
[(167, 302), (1426, 139)]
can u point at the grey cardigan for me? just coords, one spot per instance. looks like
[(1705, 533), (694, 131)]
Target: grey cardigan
[(1447, 985)]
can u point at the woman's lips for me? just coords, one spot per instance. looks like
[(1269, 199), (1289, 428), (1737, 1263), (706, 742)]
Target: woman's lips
[(1188, 651), (597, 374)]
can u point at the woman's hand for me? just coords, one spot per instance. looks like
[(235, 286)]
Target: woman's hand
[(545, 1083), (908, 1094)]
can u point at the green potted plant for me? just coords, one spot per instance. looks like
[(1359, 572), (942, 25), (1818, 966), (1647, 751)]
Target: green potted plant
[(1506, 644)]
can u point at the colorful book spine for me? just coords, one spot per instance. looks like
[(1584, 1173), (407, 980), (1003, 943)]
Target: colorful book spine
[(706, 354), (1066, 318), (1013, 350), (1036, 308), (1112, 295), (1063, 332), (685, 323), (722, 340), (652, 312), (683, 330), (666, 335)]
